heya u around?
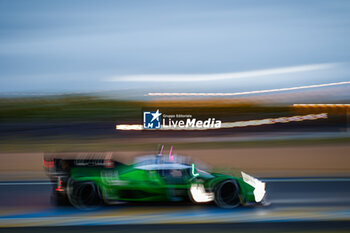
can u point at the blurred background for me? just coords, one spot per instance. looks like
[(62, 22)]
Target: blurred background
[(71, 72)]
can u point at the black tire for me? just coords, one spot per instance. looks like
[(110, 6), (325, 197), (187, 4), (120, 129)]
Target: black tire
[(59, 199), (227, 194), (84, 195)]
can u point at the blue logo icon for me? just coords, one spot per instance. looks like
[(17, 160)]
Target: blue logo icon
[(151, 120)]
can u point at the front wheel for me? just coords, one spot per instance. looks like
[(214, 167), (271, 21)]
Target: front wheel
[(227, 194), (84, 195)]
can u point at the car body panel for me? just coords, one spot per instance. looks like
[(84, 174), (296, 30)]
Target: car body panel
[(130, 183)]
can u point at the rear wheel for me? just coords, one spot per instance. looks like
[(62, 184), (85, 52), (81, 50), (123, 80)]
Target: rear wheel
[(59, 199), (227, 194), (84, 195)]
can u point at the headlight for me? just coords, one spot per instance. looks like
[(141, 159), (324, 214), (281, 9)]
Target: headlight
[(259, 187)]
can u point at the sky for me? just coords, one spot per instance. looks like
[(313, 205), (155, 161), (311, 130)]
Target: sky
[(183, 45)]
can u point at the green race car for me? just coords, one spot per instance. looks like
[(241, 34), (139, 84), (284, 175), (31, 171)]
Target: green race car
[(88, 181)]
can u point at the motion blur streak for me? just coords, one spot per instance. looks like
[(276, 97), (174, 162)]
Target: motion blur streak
[(267, 121), (274, 120), (249, 92), (210, 77), (321, 105), (129, 127)]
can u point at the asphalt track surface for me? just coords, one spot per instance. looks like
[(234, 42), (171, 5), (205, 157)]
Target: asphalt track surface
[(300, 204)]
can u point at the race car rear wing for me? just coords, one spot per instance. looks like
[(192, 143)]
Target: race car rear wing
[(59, 164)]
